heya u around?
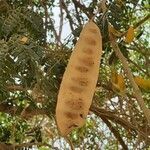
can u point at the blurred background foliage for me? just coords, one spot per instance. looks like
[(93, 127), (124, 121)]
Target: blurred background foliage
[(33, 57)]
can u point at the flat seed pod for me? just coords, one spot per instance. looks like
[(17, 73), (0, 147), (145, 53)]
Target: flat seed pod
[(79, 80)]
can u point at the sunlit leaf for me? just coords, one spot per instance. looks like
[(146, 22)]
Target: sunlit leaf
[(130, 35), (24, 40)]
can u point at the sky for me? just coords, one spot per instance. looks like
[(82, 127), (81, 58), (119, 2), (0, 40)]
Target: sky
[(66, 31)]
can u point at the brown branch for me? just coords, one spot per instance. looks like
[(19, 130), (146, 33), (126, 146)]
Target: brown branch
[(15, 88), (137, 48), (135, 26), (113, 117), (44, 5), (30, 111), (4, 146), (82, 7), (115, 132), (31, 144), (6, 108), (128, 72), (137, 66), (68, 15), (142, 21), (54, 30), (141, 48), (69, 142), (116, 119), (61, 21), (27, 113), (77, 15)]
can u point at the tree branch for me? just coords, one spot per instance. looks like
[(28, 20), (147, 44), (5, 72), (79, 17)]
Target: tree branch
[(77, 15), (137, 66), (61, 21), (68, 15), (113, 117), (31, 144), (5, 146), (44, 5), (128, 72), (15, 88), (54, 31), (28, 112), (142, 21), (82, 7), (116, 119), (115, 132)]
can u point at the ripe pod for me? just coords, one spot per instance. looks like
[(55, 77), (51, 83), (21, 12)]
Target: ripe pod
[(79, 80)]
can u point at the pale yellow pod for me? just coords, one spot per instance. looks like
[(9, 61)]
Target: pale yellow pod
[(79, 80)]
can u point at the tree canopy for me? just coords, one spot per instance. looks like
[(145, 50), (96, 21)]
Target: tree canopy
[(36, 40)]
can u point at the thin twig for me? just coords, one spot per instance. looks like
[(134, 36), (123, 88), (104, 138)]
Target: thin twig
[(77, 15), (142, 21), (68, 15), (31, 144), (28, 112), (136, 89), (115, 132), (44, 5), (61, 21), (135, 26), (111, 115), (69, 142), (15, 88), (115, 119), (82, 7), (53, 29), (137, 66)]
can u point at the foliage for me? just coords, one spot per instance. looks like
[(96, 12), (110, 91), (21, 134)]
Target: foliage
[(33, 57)]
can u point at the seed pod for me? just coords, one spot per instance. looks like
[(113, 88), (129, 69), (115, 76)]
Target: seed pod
[(142, 83), (79, 80)]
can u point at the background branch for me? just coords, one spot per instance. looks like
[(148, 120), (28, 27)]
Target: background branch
[(142, 21), (23, 145), (115, 132), (116, 119), (68, 15), (128, 72), (61, 21), (83, 8), (29, 112)]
